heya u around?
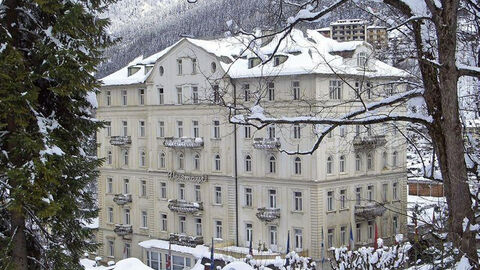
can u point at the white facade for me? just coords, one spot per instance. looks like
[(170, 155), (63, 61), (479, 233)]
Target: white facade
[(173, 170)]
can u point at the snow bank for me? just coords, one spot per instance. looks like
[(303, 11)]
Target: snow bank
[(131, 264), (237, 265), (198, 252)]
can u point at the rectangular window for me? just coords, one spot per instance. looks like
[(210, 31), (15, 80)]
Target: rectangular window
[(194, 65), (271, 91), (143, 188), (296, 131), (358, 195), (296, 90), (343, 236), (161, 96), (271, 132), (179, 95), (330, 201), (179, 67), (343, 199), (247, 132), (248, 197), (144, 219), (216, 129), (198, 227), (194, 94), (124, 97), (335, 89), (370, 193), (109, 185), (181, 191), (126, 186), (108, 127), (126, 219), (298, 234), (218, 229), (161, 129), (109, 98), (111, 249), (164, 223), (126, 253), (330, 235), (179, 129), (342, 131), (125, 128), (163, 190), (395, 225), (218, 195), (141, 96), (196, 129), (359, 232), (110, 214), (141, 128), (384, 192), (216, 93), (298, 201), (395, 191), (182, 224), (246, 92), (198, 196), (273, 235), (248, 232), (272, 198)]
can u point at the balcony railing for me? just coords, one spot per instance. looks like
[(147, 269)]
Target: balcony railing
[(183, 142), (268, 214), (122, 229), (266, 143), (121, 140), (368, 142), (182, 206), (122, 199), (369, 211), (186, 240)]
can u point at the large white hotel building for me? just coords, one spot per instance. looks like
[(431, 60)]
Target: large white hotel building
[(178, 170)]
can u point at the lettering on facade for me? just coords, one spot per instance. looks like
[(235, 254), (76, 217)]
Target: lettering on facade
[(183, 177)]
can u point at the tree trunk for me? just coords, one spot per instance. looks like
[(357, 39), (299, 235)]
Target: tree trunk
[(19, 248)]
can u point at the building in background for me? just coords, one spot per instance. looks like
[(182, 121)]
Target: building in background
[(178, 170), (356, 30)]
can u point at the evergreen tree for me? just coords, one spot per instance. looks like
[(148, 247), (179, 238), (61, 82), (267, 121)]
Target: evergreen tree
[(48, 53)]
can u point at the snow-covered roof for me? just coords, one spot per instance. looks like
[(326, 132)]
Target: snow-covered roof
[(198, 251), (237, 265), (307, 53)]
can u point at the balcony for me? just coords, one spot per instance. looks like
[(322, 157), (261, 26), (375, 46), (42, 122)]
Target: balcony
[(121, 140), (122, 199), (183, 142), (266, 143), (268, 214), (185, 207), (122, 229), (369, 211), (368, 142), (185, 240)]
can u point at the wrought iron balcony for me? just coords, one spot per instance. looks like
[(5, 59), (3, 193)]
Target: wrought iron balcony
[(368, 142), (369, 211), (186, 240), (122, 199), (268, 214), (183, 142), (121, 140), (266, 143), (122, 229), (182, 206)]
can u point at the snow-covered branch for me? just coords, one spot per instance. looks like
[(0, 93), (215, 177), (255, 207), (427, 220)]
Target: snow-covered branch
[(464, 70)]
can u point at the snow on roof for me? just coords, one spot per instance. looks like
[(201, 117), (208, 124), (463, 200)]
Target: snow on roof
[(237, 265), (131, 264), (323, 29), (310, 53), (198, 251)]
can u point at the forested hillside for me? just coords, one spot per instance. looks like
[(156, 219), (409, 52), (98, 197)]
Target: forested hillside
[(148, 26)]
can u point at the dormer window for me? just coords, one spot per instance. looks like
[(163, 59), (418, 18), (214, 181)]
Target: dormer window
[(279, 59), (132, 70), (361, 59), (147, 69), (254, 61)]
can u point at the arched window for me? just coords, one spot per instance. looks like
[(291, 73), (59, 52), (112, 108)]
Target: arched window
[(217, 162), (394, 159), (342, 163), (384, 160), (125, 157), (196, 162), (109, 157), (248, 163), (298, 165), (161, 160), (358, 163), (142, 158), (329, 165), (181, 161), (272, 162), (370, 161)]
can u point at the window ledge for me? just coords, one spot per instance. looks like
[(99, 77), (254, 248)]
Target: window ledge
[(297, 212), (344, 209), (331, 211)]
